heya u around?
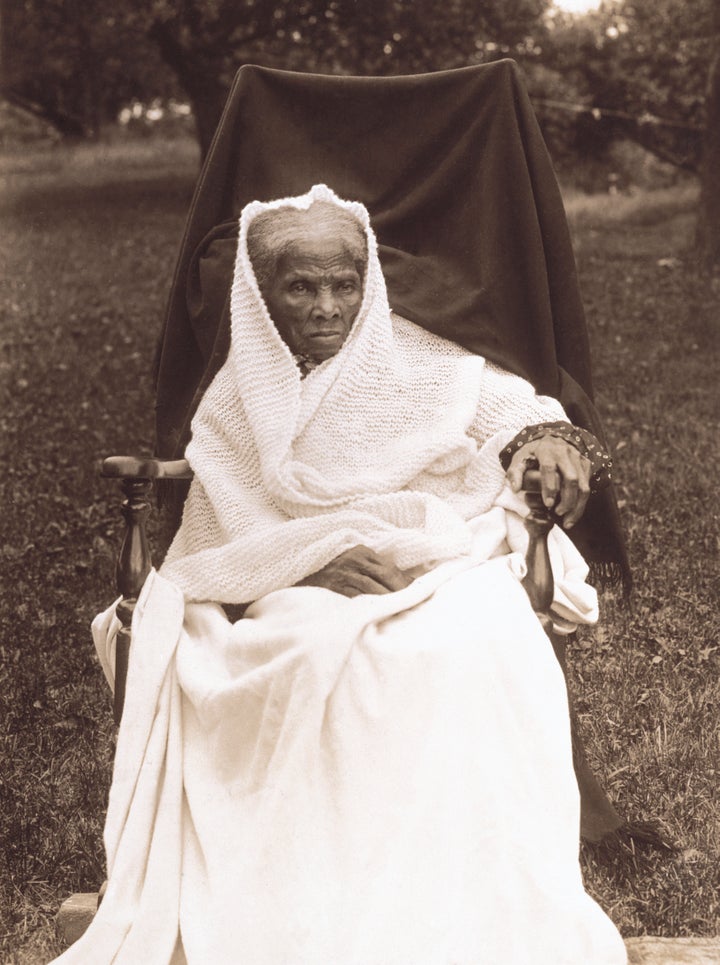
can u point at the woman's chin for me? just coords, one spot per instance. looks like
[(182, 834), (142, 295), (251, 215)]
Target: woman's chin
[(322, 347)]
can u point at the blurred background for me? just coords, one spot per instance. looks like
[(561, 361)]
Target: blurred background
[(106, 110), (623, 90)]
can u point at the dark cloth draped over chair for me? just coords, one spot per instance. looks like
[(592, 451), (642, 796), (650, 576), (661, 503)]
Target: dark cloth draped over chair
[(465, 204)]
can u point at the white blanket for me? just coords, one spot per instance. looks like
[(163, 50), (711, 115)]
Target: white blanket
[(384, 780)]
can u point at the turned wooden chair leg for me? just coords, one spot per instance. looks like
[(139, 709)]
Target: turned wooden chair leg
[(134, 561), (538, 582), (598, 817), (132, 568)]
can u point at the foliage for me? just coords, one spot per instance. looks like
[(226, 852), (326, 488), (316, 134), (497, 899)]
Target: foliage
[(649, 72), (79, 61), (647, 678), (74, 353), (632, 69), (206, 43), (641, 71), (89, 238), (93, 59)]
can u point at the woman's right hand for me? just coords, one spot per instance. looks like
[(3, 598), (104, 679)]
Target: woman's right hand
[(356, 571)]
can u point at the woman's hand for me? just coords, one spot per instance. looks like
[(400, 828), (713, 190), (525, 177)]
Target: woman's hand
[(564, 475), (358, 570)]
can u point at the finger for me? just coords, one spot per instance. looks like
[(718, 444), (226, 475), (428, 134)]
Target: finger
[(387, 574), (549, 482), (356, 554), (361, 561), (394, 579), (575, 486), (569, 490), (358, 584), (582, 494), (516, 470), (575, 514)]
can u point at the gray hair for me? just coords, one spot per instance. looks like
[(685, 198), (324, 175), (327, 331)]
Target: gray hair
[(274, 233)]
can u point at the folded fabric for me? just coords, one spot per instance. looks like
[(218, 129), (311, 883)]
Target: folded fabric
[(384, 779)]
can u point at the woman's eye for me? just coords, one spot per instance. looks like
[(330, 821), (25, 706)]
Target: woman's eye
[(299, 288), (348, 287)]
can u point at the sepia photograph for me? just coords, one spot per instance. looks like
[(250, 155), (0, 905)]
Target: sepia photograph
[(359, 543)]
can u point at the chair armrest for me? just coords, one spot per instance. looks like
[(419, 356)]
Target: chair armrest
[(131, 467)]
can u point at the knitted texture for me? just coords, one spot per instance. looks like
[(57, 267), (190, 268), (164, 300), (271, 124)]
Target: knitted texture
[(393, 443)]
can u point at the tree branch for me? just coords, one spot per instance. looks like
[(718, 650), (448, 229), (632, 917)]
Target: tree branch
[(66, 124)]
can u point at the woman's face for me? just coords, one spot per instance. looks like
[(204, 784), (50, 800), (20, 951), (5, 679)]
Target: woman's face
[(315, 295)]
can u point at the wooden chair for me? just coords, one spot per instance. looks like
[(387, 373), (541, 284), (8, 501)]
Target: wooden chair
[(599, 819), (135, 561)]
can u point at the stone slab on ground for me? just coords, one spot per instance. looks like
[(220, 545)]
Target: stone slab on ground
[(75, 914), (77, 911), (649, 950)]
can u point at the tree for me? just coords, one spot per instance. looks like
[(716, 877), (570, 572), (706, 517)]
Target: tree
[(76, 62), (206, 42), (708, 226), (78, 59), (639, 68), (649, 72)]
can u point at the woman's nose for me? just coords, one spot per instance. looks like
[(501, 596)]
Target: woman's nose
[(326, 305)]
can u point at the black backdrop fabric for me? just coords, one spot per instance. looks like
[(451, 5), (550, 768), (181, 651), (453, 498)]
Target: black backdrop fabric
[(463, 198)]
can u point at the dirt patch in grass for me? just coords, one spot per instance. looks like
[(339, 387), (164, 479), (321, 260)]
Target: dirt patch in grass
[(88, 245)]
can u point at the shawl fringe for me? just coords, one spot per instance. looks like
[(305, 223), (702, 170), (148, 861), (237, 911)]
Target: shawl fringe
[(609, 575)]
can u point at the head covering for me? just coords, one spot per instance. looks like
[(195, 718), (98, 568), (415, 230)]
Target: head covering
[(470, 224)]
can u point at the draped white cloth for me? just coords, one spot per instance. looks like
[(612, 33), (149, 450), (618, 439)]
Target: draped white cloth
[(373, 781), (384, 780)]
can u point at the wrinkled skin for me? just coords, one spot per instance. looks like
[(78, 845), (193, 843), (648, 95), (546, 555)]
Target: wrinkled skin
[(359, 570), (315, 297)]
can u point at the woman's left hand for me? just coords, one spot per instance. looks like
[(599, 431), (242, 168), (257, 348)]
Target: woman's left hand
[(564, 475)]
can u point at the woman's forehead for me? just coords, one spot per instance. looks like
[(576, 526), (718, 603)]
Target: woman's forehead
[(318, 252), (321, 220), (318, 228)]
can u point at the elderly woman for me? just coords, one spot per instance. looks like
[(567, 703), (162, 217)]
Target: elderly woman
[(373, 765)]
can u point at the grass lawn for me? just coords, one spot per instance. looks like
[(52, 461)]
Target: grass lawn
[(88, 247)]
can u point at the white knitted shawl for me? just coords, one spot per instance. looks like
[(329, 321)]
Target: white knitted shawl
[(392, 443)]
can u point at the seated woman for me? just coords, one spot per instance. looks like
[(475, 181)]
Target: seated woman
[(373, 765)]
